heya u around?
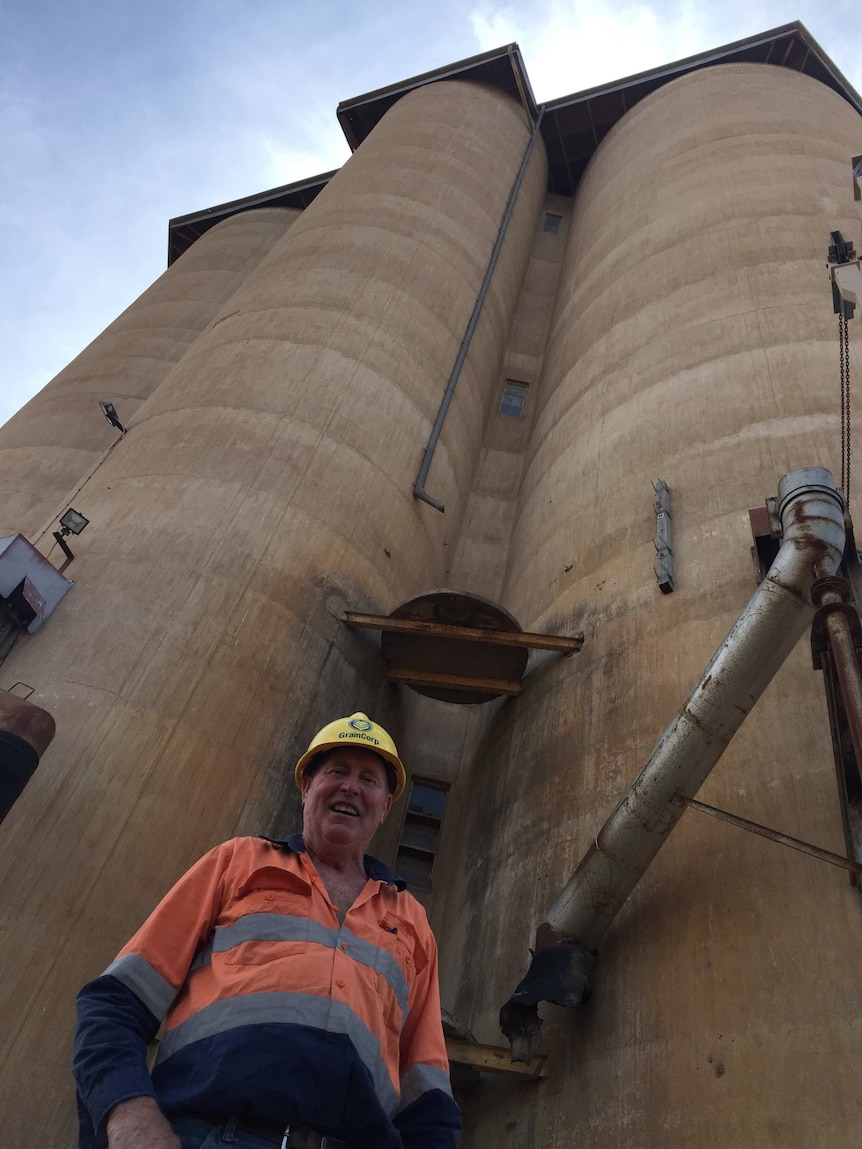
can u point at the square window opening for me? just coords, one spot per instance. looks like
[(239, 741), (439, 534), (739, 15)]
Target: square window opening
[(512, 402), (420, 832)]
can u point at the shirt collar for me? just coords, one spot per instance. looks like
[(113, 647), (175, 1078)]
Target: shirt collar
[(374, 868)]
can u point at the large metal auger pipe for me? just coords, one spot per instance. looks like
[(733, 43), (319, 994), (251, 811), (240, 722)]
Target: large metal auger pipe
[(812, 519)]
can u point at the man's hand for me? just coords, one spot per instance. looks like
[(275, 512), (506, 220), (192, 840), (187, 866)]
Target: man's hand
[(140, 1124)]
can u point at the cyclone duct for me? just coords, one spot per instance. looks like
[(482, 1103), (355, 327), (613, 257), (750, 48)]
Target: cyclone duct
[(812, 519)]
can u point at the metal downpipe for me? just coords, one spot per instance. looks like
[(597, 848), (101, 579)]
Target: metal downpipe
[(419, 486), (812, 519)]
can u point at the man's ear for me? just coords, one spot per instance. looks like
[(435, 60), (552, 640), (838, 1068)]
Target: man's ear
[(388, 808)]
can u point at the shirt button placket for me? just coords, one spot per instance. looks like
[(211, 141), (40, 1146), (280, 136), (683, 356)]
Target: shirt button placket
[(338, 982)]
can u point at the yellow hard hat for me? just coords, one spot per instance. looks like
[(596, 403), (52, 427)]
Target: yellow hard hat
[(357, 730)]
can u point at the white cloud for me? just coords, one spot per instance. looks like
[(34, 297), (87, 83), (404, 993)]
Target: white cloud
[(288, 155), (492, 29), (570, 45)]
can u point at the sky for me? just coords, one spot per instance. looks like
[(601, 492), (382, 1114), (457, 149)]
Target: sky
[(117, 115)]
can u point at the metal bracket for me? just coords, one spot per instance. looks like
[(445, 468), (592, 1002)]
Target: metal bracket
[(775, 526), (766, 533), (664, 551), (845, 270)]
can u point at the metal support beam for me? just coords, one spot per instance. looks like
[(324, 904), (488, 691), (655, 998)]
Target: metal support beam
[(772, 835), (493, 1059), (453, 681), (564, 644)]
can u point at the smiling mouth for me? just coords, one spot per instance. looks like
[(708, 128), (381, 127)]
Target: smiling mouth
[(339, 808)]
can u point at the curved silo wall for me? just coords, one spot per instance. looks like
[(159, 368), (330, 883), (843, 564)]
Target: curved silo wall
[(265, 486), (54, 440), (693, 341)]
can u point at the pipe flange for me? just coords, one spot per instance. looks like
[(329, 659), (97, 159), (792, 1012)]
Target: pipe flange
[(831, 584), (807, 481)]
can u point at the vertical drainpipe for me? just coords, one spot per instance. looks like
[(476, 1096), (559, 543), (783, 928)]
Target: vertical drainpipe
[(419, 486)]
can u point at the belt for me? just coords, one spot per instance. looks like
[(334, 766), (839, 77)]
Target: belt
[(290, 1136)]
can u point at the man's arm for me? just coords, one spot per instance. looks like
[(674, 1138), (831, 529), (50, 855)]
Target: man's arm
[(427, 1116), (119, 1012), (109, 1058), (140, 1124)]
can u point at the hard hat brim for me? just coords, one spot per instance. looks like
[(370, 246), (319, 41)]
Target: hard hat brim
[(322, 747)]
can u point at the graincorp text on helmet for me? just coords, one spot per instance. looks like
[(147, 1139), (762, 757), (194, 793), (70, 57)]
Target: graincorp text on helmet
[(354, 734)]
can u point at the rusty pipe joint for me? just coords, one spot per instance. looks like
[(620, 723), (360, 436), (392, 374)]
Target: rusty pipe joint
[(811, 511)]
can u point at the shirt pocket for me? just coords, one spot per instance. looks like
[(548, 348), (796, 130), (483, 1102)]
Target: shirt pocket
[(400, 957), (267, 918)]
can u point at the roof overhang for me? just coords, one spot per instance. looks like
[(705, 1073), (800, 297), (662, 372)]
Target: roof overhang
[(572, 127), (502, 68), (185, 229)]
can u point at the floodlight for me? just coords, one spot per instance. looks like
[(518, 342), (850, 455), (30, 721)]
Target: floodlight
[(73, 522), (110, 413)]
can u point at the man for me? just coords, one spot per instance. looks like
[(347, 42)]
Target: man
[(298, 985)]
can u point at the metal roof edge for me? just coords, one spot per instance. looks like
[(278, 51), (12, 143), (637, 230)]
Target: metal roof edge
[(430, 77), (715, 55), (393, 92), (252, 201), (297, 194)]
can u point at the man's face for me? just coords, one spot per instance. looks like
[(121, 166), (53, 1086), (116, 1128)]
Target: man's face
[(346, 799)]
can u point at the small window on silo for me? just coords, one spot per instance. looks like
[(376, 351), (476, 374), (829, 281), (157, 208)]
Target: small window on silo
[(512, 403), (552, 223), (421, 832)]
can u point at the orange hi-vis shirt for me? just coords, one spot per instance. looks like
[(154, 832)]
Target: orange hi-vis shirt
[(274, 1010)]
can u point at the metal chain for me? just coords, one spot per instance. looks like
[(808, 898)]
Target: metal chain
[(844, 352)]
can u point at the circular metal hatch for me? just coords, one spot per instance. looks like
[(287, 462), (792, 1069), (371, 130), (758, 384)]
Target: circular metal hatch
[(493, 669)]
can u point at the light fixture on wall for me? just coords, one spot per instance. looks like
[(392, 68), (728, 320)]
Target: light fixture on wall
[(110, 413), (72, 522)]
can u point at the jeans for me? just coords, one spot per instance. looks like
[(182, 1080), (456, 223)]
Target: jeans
[(201, 1135)]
